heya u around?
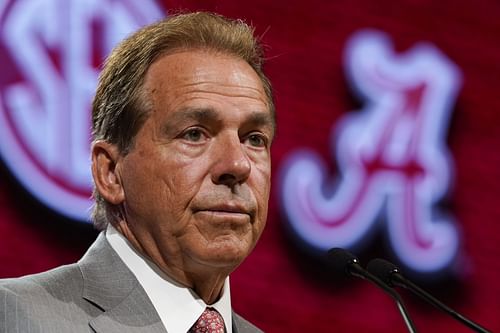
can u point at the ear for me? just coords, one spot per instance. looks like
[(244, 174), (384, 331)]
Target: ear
[(105, 172)]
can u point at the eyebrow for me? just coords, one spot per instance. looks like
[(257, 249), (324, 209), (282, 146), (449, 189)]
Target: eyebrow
[(198, 114), (201, 115), (263, 119), (209, 115)]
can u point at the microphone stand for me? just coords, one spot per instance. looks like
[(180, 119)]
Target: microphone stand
[(346, 262), (393, 277), (407, 284), (358, 271)]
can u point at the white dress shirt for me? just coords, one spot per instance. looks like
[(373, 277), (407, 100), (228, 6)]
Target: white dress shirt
[(178, 307)]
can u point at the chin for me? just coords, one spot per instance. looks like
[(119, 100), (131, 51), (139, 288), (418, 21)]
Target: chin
[(225, 254)]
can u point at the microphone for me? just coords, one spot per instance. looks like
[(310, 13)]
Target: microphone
[(390, 274), (346, 263)]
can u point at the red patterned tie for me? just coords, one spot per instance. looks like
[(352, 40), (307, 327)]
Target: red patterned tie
[(210, 321)]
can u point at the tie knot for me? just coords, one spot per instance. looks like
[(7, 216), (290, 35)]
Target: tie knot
[(210, 321)]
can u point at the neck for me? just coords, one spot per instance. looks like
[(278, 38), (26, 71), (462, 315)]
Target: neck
[(206, 281), (210, 291)]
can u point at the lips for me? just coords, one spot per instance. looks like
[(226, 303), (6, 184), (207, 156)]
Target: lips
[(226, 209)]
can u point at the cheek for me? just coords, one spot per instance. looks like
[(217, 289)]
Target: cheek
[(184, 175), (158, 194), (261, 183), (178, 182), (147, 182), (164, 176), (261, 179)]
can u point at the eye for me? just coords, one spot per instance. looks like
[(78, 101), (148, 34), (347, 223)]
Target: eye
[(193, 135), (257, 140)]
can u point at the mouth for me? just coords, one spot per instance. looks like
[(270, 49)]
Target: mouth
[(227, 211)]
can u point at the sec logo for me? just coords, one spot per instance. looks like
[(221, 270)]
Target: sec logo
[(50, 51)]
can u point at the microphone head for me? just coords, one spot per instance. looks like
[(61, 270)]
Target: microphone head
[(383, 269), (342, 260)]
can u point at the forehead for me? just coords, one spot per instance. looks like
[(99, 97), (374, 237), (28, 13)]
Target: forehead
[(191, 71), (201, 79)]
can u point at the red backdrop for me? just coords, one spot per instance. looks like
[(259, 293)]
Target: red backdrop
[(280, 287)]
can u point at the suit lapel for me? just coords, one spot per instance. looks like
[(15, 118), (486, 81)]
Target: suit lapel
[(234, 324), (134, 313), (240, 325), (111, 286)]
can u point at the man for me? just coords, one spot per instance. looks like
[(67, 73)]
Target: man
[(183, 120)]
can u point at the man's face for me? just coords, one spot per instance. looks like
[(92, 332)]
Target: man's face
[(196, 182)]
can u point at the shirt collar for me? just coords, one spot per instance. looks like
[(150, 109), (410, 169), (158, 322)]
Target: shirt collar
[(178, 307)]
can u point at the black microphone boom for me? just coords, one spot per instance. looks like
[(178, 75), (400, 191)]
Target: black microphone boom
[(390, 274), (345, 262)]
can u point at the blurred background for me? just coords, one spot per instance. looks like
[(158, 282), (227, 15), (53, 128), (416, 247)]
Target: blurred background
[(402, 95)]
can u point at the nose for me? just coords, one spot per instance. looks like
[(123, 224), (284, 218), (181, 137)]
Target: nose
[(232, 165)]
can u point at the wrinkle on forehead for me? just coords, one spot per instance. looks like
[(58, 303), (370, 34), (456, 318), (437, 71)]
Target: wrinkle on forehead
[(189, 73), (198, 68), (224, 90)]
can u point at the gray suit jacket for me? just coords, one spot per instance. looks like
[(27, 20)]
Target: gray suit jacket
[(97, 294)]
